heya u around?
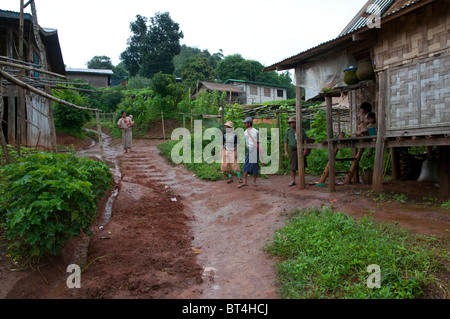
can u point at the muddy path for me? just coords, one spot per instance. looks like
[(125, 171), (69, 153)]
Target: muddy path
[(167, 234)]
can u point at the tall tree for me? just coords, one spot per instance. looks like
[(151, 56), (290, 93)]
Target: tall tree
[(197, 69), (152, 47), (100, 62)]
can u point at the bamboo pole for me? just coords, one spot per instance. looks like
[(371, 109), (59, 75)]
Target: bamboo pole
[(2, 137), (25, 86), (31, 69), (279, 141)]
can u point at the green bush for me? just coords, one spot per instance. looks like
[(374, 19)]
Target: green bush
[(325, 254), (49, 198), (68, 119)]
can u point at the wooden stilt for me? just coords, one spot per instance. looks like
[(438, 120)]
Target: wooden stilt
[(162, 121), (444, 179), (355, 166), (377, 180), (2, 137), (301, 156), (331, 151)]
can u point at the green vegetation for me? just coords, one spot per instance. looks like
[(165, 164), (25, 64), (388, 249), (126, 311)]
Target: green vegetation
[(47, 199), (202, 170), (325, 254)]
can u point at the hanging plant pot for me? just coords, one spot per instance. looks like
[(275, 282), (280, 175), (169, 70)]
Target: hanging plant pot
[(350, 77), (365, 70)]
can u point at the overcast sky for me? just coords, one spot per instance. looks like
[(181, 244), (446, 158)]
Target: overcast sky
[(266, 30)]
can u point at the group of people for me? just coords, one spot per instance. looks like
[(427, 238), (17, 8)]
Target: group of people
[(253, 154), (366, 126), (251, 167)]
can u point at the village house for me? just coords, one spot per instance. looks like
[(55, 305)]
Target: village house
[(257, 92), (401, 50), (233, 93), (95, 77), (35, 126)]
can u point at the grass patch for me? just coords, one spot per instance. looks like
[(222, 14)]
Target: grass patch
[(205, 171), (325, 254)]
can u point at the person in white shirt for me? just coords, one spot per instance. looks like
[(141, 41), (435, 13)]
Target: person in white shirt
[(251, 158)]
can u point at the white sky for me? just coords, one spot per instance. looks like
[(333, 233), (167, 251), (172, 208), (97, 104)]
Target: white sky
[(266, 30)]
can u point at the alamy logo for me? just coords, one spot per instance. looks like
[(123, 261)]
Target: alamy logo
[(374, 280), (74, 279), (374, 19)]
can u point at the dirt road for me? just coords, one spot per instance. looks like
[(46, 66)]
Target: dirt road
[(172, 235)]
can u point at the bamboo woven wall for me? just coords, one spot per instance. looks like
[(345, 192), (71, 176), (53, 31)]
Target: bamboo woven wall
[(415, 52), (414, 36)]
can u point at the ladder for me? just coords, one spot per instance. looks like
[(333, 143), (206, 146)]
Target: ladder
[(353, 169)]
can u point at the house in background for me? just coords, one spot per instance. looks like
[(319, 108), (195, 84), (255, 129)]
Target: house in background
[(95, 77), (257, 92), (234, 94), (34, 126)]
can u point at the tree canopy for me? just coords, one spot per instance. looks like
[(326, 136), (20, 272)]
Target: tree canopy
[(197, 69), (100, 62), (153, 45)]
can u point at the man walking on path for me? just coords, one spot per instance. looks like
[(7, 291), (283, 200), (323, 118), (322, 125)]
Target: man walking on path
[(229, 153), (251, 158), (290, 140)]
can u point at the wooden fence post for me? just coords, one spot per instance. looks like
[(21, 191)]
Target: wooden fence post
[(162, 120), (99, 130), (331, 154)]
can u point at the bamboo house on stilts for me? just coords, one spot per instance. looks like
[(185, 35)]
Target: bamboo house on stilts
[(31, 65), (401, 49)]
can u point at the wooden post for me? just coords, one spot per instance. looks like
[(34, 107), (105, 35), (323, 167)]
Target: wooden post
[(355, 166), (11, 92), (301, 157), (162, 120), (331, 155), (279, 140), (2, 137), (378, 170), (20, 98), (184, 120), (444, 179), (395, 167), (48, 90), (99, 130)]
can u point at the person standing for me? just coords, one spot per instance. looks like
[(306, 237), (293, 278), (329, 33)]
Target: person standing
[(290, 140), (126, 124), (251, 158), (229, 153)]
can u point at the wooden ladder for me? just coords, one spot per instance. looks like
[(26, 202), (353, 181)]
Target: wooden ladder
[(351, 173)]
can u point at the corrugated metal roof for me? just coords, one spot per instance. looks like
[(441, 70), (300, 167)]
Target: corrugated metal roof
[(400, 7), (89, 71), (221, 87), (257, 83)]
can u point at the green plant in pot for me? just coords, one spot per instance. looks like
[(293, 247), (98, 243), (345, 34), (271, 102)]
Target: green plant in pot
[(350, 77)]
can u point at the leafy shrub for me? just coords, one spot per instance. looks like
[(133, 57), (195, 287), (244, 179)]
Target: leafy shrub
[(326, 254), (49, 198), (68, 119)]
